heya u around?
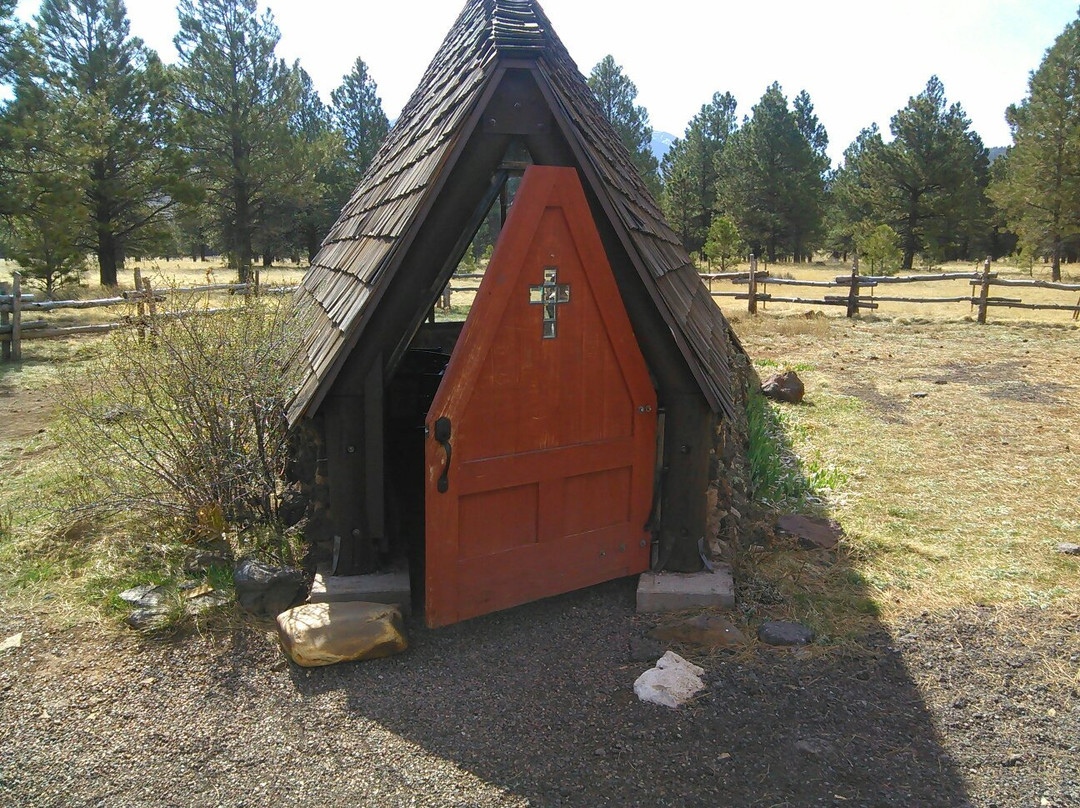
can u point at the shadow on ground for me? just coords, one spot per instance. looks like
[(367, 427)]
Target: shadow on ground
[(539, 701)]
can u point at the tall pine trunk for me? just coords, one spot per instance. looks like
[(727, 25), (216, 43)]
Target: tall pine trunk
[(106, 256), (243, 235)]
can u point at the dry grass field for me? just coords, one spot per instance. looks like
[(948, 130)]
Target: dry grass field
[(954, 456)]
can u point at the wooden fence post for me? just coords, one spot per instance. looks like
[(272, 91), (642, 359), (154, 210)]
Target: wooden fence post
[(140, 309), (853, 292), (984, 291), (256, 281), (151, 304), (751, 301), (16, 317), (5, 320)]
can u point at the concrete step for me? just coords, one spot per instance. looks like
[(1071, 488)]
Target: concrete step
[(378, 587), (675, 591)]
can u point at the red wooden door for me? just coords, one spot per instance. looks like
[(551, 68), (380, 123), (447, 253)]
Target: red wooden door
[(552, 421)]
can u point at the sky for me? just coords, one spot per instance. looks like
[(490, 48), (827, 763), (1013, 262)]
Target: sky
[(860, 60)]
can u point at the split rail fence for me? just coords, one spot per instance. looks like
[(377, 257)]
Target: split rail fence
[(15, 305), (854, 299)]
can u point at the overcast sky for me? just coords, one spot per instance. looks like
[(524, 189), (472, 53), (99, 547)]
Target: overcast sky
[(860, 60)]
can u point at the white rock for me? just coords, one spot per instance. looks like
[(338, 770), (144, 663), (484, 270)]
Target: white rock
[(673, 681)]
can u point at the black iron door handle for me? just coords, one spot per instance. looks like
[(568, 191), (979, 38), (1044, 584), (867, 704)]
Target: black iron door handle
[(442, 435)]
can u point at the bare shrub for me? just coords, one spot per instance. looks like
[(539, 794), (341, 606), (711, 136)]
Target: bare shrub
[(187, 424)]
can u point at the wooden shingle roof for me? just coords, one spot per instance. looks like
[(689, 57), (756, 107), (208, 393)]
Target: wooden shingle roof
[(362, 250)]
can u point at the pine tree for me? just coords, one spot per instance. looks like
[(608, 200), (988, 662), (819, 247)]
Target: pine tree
[(9, 33), (771, 180), (849, 192), (616, 94), (44, 212), (237, 103), (1037, 183), (929, 182), (108, 97), (724, 242), (690, 170), (358, 112)]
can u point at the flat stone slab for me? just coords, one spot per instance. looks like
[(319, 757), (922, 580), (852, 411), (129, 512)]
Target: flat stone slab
[(674, 591), (711, 631), (812, 533), (378, 587)]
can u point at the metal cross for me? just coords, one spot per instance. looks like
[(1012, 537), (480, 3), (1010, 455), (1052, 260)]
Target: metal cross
[(550, 294)]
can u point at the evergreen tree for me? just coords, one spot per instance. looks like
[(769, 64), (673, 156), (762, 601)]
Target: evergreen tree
[(1037, 183), (690, 170), (616, 94), (929, 182), (724, 242), (9, 33), (771, 180), (358, 112), (107, 97), (880, 247), (292, 225), (237, 105), (44, 211), (849, 192)]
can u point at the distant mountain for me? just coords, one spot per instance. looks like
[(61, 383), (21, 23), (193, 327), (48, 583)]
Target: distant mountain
[(996, 152), (661, 142)]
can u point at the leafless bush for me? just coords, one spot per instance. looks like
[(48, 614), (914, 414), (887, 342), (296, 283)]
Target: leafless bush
[(187, 423)]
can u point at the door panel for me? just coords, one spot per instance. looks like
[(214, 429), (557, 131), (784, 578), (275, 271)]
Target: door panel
[(553, 420)]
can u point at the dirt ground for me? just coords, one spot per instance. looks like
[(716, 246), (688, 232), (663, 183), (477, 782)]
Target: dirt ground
[(535, 706)]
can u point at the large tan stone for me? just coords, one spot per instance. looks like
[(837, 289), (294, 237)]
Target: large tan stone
[(324, 633)]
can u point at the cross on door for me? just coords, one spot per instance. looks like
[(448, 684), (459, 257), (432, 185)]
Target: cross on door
[(550, 294)]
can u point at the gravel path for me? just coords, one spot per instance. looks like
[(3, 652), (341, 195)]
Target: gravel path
[(535, 707)]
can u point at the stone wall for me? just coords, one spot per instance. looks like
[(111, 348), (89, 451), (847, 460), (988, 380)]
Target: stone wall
[(730, 518)]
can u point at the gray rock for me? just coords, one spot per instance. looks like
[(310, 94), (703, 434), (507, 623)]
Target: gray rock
[(145, 596), (267, 591), (781, 632), (148, 618), (204, 603), (786, 386), (920, 394), (1068, 548)]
